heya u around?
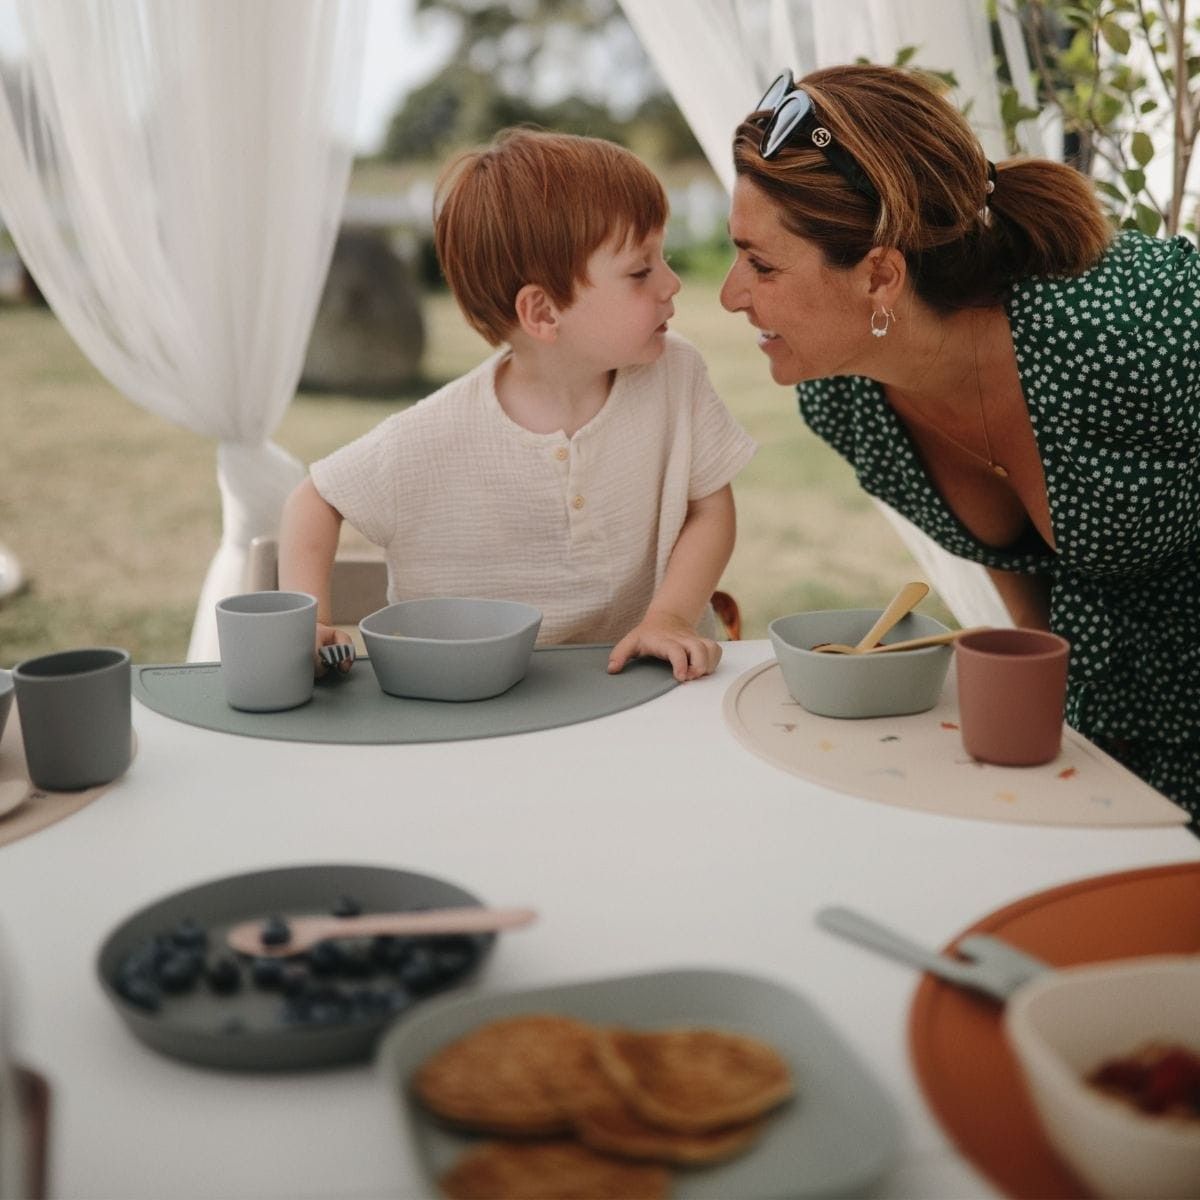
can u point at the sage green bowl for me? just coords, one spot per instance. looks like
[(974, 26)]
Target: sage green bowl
[(451, 647), (859, 685)]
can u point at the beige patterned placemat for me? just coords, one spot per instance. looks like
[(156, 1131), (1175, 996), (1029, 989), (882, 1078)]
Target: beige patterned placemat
[(919, 762), (25, 809)]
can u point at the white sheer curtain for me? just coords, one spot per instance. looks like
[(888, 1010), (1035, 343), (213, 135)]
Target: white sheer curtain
[(716, 56), (172, 173)]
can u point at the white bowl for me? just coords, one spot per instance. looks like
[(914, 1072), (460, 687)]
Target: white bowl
[(858, 685), (1064, 1025), (450, 647)]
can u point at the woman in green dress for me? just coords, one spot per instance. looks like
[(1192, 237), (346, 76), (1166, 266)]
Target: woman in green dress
[(1002, 370)]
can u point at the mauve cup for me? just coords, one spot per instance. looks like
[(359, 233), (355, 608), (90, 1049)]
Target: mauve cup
[(74, 710), (267, 641), (1012, 686)]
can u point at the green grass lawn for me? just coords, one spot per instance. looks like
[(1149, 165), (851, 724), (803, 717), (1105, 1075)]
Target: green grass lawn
[(115, 514)]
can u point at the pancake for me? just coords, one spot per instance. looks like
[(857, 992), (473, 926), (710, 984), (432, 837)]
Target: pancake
[(603, 1120), (508, 1076), (693, 1080), (550, 1171)]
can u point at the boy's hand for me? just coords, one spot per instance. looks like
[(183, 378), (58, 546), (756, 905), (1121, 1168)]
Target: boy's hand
[(663, 635), (328, 636)]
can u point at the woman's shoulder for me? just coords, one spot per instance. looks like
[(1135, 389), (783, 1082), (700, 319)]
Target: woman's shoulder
[(1136, 276)]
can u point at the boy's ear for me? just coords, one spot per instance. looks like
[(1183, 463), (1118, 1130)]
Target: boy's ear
[(537, 314), (887, 273)]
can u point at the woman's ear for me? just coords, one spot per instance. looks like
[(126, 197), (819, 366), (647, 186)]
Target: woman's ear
[(537, 314), (887, 273)]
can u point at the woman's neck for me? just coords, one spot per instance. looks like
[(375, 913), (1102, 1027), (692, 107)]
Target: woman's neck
[(544, 393)]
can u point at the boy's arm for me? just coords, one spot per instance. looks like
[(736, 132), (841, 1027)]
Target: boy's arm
[(700, 554), (308, 539)]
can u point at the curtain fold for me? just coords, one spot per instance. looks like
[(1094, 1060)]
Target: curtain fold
[(173, 175), (716, 57)]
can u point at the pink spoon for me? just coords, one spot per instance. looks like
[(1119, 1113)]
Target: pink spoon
[(307, 931)]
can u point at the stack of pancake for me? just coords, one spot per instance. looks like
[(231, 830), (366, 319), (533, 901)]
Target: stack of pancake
[(599, 1112)]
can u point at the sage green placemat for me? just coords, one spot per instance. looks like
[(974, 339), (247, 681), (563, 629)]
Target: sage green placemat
[(565, 684)]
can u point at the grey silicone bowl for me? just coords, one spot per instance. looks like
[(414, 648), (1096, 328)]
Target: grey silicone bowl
[(870, 685), (450, 648), (244, 1031)]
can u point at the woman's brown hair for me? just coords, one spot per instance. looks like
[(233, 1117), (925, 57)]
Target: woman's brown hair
[(963, 246), (532, 208)]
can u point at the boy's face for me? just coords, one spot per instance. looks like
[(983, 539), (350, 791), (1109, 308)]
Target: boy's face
[(619, 318)]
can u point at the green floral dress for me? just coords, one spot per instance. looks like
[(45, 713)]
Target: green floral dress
[(1110, 367)]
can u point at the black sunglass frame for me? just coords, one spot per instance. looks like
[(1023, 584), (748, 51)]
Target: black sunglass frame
[(794, 115)]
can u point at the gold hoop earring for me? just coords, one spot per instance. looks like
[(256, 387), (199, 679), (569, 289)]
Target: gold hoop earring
[(884, 314)]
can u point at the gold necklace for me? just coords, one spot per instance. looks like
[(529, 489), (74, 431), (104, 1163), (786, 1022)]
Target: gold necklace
[(993, 465), (990, 462)]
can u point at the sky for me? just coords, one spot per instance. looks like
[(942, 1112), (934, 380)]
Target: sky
[(400, 56)]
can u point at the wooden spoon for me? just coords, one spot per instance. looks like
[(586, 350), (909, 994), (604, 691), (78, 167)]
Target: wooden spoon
[(933, 639), (306, 932), (901, 604)]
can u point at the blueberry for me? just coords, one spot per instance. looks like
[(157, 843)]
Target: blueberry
[(189, 934), (179, 972), (275, 931), (346, 906), (142, 992), (419, 972), (395, 1001), (357, 961), (453, 956), (389, 952), (294, 980), (325, 958), (224, 975), (267, 972)]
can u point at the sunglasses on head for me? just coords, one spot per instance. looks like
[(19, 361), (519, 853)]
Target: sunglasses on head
[(793, 117)]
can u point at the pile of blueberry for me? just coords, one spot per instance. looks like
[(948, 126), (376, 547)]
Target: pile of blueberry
[(359, 979)]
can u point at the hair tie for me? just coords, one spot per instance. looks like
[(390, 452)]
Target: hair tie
[(991, 177)]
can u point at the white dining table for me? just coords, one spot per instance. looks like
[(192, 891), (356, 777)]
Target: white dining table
[(648, 839)]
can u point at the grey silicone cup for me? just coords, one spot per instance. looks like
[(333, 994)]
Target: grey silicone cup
[(451, 648), (192, 1029), (859, 686), (75, 717), (267, 641), (6, 698)]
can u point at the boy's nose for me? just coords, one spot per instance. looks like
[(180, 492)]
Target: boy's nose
[(673, 283)]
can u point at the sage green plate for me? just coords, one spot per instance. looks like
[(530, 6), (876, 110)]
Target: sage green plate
[(835, 1138)]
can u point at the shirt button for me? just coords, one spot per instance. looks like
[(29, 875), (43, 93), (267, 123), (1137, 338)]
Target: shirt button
[(577, 502), (561, 453)]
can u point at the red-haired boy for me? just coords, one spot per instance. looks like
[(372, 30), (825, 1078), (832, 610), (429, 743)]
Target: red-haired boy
[(585, 467)]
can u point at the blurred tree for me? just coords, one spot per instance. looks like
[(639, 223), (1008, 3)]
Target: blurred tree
[(569, 65), (1122, 78)]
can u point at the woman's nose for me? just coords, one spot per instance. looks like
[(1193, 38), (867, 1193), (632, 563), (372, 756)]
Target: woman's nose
[(733, 293)]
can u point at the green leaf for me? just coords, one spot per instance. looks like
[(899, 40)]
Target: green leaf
[(1148, 219), (1142, 148), (904, 55), (1116, 35), (1134, 180), (1148, 106), (1111, 190)]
